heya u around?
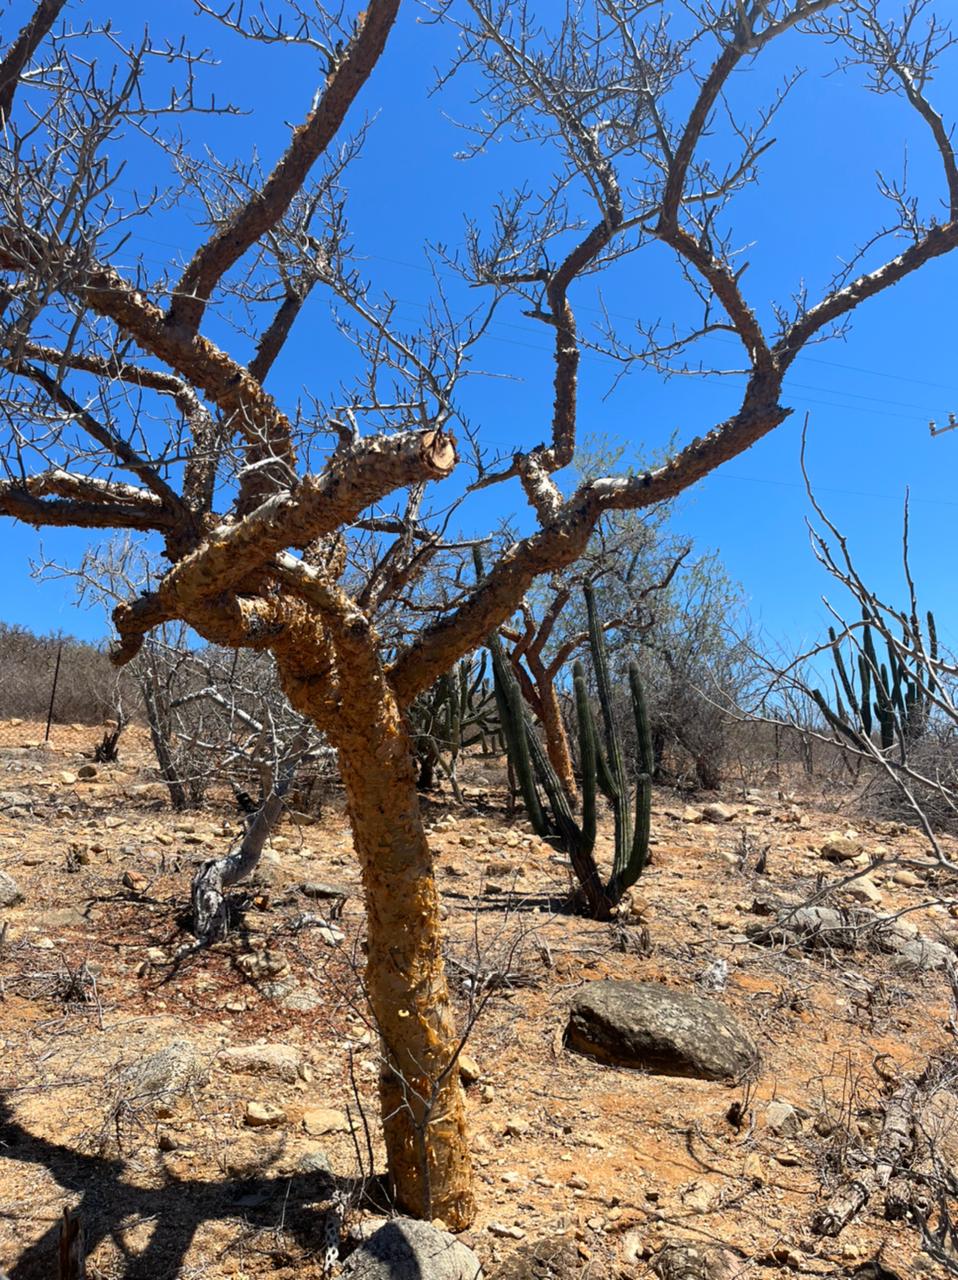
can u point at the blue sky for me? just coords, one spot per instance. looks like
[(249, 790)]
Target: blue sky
[(869, 397)]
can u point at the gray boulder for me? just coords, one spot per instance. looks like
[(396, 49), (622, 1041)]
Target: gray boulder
[(655, 1028), (10, 893), (408, 1250)]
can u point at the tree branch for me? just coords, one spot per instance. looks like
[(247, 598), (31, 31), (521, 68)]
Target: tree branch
[(22, 50), (265, 207)]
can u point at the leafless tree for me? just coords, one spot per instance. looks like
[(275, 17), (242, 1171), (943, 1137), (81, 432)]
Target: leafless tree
[(183, 441)]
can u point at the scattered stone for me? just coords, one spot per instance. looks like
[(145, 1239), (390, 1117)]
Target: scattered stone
[(840, 848), (10, 891), (314, 1160), (318, 1121), (555, 1258), (782, 1118), (717, 812), (700, 1197), (404, 1249), (656, 1028), (67, 778), (262, 964), (469, 1069), (261, 1115), (283, 1060), (864, 889), (907, 878), (681, 1260), (161, 1078), (506, 1232)]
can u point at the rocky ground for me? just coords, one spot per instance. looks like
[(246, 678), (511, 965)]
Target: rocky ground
[(202, 1112)]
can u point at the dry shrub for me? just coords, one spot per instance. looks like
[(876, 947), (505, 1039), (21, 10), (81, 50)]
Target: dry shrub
[(86, 687)]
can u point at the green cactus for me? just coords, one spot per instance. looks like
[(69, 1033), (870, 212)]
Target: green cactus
[(456, 713), (602, 767), (895, 696)]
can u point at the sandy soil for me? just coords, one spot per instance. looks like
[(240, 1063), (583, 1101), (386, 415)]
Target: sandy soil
[(93, 983)]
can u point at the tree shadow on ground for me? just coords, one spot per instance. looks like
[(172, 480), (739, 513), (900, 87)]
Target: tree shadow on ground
[(109, 1206)]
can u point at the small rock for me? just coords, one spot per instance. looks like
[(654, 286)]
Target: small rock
[(700, 1197), (260, 1115), (782, 1118), (133, 880), (907, 878), (68, 778), (262, 964), (87, 772), (321, 1120), (506, 1232), (717, 812), (407, 1250), (689, 814), (864, 889), (10, 891), (469, 1069), (283, 1060), (839, 848)]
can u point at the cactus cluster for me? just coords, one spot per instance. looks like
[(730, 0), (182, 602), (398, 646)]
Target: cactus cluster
[(602, 768), (456, 713), (893, 697)]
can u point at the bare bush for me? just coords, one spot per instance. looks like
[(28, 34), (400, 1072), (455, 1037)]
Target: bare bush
[(86, 686)]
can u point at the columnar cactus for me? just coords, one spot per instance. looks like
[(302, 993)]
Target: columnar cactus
[(602, 767), (903, 689), (457, 712)]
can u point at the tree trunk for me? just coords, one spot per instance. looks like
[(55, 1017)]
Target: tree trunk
[(557, 740), (423, 1108), (538, 689), (422, 1103), (160, 735)]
